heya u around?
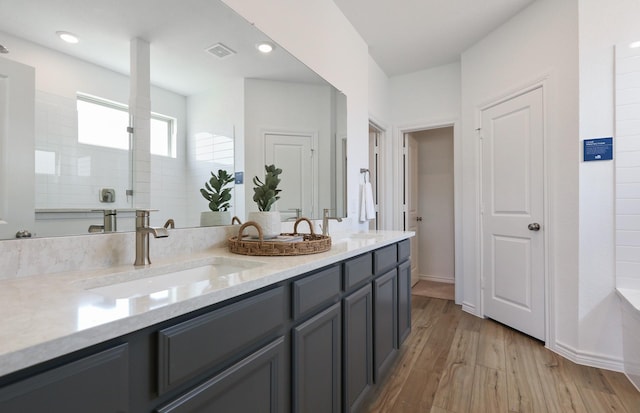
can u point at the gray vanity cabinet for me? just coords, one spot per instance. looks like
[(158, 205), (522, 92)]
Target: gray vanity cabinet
[(315, 343), (96, 383), (317, 363)]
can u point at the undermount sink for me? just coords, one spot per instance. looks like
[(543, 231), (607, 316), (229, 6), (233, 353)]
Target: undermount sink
[(198, 277)]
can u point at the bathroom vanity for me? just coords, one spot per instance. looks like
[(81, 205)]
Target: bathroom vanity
[(297, 334)]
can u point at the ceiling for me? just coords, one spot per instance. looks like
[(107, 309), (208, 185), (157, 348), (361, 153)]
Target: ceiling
[(178, 33), (405, 36)]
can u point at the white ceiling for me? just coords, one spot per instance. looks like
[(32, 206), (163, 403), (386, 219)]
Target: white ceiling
[(405, 36)]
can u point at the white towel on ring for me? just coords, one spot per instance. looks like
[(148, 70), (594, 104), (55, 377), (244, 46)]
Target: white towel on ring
[(367, 205)]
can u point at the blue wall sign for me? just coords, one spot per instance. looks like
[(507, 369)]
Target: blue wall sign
[(239, 177), (600, 149)]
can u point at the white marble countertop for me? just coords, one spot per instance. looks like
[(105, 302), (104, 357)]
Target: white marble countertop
[(46, 316)]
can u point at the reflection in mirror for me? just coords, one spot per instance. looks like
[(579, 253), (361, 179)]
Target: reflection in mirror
[(205, 76)]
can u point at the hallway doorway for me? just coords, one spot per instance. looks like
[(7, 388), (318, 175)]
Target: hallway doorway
[(429, 202)]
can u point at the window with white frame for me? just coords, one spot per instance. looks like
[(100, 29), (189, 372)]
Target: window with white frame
[(104, 123)]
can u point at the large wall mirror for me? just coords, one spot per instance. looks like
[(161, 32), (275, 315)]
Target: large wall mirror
[(216, 102)]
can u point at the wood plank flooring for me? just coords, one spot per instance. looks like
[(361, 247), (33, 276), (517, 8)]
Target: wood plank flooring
[(454, 362)]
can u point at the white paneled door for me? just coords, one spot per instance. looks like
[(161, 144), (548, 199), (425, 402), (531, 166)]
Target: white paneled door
[(513, 260), (293, 153)]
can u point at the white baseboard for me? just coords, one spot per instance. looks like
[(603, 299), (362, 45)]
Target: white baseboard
[(437, 278), (470, 308), (585, 358)]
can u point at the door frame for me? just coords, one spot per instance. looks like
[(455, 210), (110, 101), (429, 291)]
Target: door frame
[(549, 296), (380, 176), (386, 177), (399, 172)]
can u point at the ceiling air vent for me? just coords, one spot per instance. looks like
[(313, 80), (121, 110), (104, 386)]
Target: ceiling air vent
[(220, 51)]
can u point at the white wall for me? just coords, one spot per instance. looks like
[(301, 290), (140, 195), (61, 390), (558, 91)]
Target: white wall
[(602, 25), (319, 35), (379, 95), (435, 204), (539, 43), (426, 97)]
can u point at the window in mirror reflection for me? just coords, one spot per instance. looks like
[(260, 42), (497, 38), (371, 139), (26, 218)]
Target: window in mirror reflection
[(163, 138), (102, 123)]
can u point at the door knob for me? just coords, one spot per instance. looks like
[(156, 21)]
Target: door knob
[(534, 226)]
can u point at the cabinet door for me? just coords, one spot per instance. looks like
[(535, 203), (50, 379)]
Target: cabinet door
[(385, 331), (317, 363), (404, 301), (98, 383), (358, 346), (255, 384)]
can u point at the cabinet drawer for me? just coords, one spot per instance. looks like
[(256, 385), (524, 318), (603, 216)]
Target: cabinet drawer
[(404, 250), (357, 271), (193, 346), (316, 291), (98, 383), (385, 258), (255, 384)]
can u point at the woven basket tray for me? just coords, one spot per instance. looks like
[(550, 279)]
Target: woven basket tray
[(311, 244)]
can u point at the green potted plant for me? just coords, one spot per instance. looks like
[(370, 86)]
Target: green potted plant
[(218, 192), (265, 194)]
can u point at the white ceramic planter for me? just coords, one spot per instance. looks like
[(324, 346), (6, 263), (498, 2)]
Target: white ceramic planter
[(269, 221), (215, 218)]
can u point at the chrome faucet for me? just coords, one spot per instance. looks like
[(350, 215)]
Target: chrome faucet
[(298, 212), (109, 221), (325, 221), (142, 236)]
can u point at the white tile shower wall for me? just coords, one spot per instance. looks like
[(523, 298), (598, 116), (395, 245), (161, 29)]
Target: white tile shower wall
[(168, 191), (627, 147), (39, 256), (80, 170)]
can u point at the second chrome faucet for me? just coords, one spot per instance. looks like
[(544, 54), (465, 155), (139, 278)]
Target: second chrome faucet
[(143, 230), (325, 221)]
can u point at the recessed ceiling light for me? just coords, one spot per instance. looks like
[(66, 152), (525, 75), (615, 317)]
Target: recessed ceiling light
[(634, 45), (3, 49), (265, 47), (68, 37)]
